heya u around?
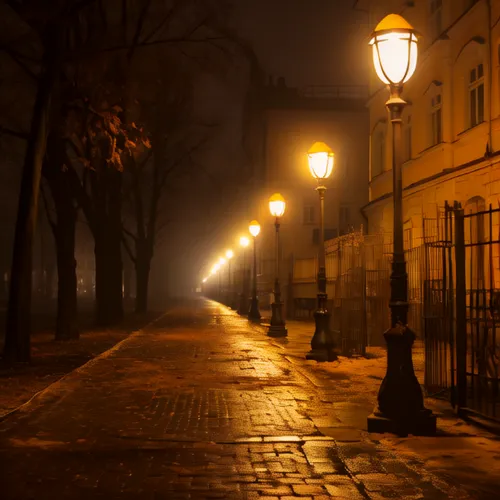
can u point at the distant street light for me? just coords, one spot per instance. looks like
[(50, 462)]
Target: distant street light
[(321, 160), (229, 256), (400, 401), (277, 328), (254, 313), (243, 305)]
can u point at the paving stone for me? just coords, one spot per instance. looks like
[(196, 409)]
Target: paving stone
[(308, 489), (202, 405)]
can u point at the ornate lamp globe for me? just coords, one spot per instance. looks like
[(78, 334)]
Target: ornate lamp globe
[(320, 157), (395, 51), (254, 228), (277, 205)]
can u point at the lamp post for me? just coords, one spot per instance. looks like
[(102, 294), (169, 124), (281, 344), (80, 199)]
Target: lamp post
[(213, 272), (253, 313), (277, 328), (243, 305), (222, 261), (400, 401), (321, 159), (229, 256)]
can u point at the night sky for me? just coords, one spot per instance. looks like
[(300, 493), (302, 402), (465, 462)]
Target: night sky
[(309, 42)]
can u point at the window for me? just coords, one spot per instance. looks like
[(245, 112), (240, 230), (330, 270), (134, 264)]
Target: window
[(378, 150), (436, 120), (476, 95), (309, 214), (436, 24), (408, 139)]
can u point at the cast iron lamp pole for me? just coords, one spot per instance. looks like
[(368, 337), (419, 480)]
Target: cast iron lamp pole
[(243, 305), (400, 402), (253, 313), (222, 261), (229, 256), (321, 160), (277, 327), (213, 272)]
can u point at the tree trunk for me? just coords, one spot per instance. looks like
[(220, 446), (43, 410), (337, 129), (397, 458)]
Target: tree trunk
[(108, 280), (108, 255), (17, 336), (142, 269), (66, 271)]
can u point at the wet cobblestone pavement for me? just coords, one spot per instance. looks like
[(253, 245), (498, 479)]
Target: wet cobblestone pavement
[(203, 405)]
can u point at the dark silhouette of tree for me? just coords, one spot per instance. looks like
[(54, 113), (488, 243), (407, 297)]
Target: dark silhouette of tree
[(82, 42)]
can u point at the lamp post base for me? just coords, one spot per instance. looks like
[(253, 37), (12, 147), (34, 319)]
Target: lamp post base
[(277, 326), (243, 305), (422, 423), (253, 313), (322, 343), (400, 401), (277, 331)]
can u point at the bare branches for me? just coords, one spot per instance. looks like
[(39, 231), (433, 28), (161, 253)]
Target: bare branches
[(138, 28), (127, 248), (13, 133), (51, 221)]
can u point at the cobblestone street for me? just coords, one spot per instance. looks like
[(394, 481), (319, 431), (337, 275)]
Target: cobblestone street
[(201, 404)]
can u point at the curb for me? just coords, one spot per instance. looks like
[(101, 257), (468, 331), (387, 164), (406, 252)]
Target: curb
[(80, 368)]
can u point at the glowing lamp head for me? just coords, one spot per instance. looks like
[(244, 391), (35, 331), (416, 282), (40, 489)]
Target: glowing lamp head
[(277, 205), (205, 280), (222, 261), (254, 228), (320, 157), (229, 254), (395, 51), (244, 241)]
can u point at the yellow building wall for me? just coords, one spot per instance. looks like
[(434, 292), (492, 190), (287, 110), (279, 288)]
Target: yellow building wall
[(438, 173)]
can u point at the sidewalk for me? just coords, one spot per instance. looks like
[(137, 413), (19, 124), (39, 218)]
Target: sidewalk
[(464, 453), (203, 404)]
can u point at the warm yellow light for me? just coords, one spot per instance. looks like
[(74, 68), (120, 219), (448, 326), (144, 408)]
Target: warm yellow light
[(395, 50), (277, 205), (244, 241), (222, 261), (229, 254), (205, 280), (320, 157), (254, 228), (215, 268)]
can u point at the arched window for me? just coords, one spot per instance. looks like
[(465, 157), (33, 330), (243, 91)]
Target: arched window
[(476, 95)]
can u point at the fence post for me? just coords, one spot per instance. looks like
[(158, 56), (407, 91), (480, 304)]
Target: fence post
[(461, 314)]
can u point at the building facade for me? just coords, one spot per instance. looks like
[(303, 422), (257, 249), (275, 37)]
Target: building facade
[(452, 121), (293, 120)]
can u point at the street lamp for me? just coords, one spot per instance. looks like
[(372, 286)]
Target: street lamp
[(277, 328), (229, 256), (321, 160), (222, 261), (400, 401), (243, 305), (253, 313)]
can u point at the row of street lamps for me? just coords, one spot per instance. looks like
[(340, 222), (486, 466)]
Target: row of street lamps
[(400, 401), (321, 162)]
